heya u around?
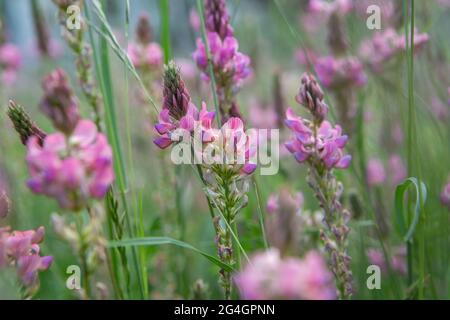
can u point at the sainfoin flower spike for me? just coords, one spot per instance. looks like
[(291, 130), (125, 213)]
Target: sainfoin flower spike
[(59, 103), (230, 67), (268, 276), (320, 146), (23, 124), (21, 250), (72, 169), (223, 157)]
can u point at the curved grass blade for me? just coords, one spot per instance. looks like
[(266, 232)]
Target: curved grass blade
[(156, 241), (421, 197)]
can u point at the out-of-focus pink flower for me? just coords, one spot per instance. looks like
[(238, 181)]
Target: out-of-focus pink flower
[(4, 204), (59, 103), (340, 72), (375, 174), (71, 169), (262, 117), (445, 195), (397, 133), (188, 69), (268, 276), (327, 146), (21, 249), (194, 20), (226, 59), (10, 62), (440, 110), (304, 57), (326, 7), (10, 56), (444, 3), (148, 56), (295, 200), (397, 261), (397, 169), (387, 44)]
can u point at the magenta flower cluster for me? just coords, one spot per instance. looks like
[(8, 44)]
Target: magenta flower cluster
[(340, 72), (269, 276), (21, 250), (326, 145), (386, 45), (10, 62), (226, 59), (72, 169), (191, 120)]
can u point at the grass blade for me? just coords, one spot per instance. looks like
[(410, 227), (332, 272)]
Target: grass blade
[(155, 241)]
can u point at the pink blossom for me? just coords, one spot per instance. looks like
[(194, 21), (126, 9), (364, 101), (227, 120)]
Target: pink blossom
[(338, 72), (10, 62), (304, 57), (375, 174), (295, 200), (328, 8), (21, 249), (59, 103), (387, 44), (268, 276), (225, 57), (397, 260), (232, 145), (71, 169), (148, 56), (10, 56), (262, 117), (397, 169), (445, 195), (194, 20), (326, 146)]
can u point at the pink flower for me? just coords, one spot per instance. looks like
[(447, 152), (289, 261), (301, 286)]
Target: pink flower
[(268, 276), (397, 261), (148, 56), (262, 117), (397, 169), (21, 249), (194, 20), (375, 174), (226, 59), (340, 72), (385, 45), (327, 146), (327, 8), (59, 103), (71, 169), (445, 195), (10, 62), (10, 56), (232, 147)]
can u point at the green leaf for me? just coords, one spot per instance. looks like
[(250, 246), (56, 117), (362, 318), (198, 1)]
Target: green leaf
[(155, 241), (421, 197)]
